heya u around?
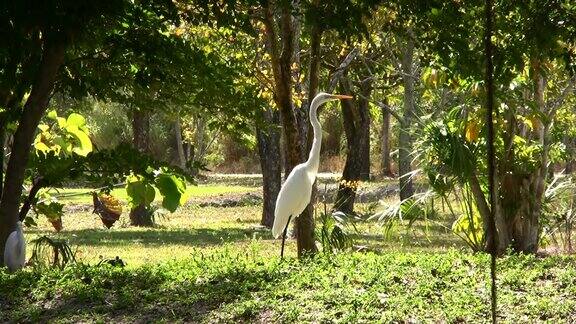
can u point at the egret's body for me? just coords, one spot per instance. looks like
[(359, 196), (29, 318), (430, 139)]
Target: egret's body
[(293, 198), (296, 191), (15, 249)]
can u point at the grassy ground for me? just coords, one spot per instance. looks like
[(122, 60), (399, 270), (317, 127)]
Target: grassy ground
[(218, 265), (82, 195)]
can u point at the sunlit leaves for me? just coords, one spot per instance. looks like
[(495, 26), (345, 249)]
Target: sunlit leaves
[(53, 210), (469, 227), (140, 191), (472, 131), (64, 136)]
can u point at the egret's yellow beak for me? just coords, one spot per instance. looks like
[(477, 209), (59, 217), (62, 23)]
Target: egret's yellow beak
[(342, 97)]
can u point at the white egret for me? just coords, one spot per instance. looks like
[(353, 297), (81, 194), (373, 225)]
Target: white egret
[(296, 191), (15, 249)]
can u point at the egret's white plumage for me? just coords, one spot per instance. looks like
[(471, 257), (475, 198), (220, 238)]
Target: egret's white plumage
[(295, 193), (15, 249)]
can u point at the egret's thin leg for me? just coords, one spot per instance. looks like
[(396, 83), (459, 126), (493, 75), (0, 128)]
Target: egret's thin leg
[(284, 238)]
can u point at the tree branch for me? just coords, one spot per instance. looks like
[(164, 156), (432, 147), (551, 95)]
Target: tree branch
[(385, 107), (553, 105), (342, 68)]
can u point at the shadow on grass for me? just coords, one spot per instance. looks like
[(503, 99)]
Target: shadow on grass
[(145, 296), (158, 236)]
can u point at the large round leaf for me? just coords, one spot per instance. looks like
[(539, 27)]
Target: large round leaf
[(173, 191)]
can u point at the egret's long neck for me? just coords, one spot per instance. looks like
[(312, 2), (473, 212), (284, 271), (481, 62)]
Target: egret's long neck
[(313, 161)]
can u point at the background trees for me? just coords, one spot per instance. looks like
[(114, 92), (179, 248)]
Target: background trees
[(187, 81)]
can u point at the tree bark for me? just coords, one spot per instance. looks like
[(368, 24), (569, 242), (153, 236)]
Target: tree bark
[(181, 158), (2, 154), (140, 215), (386, 162), (199, 139), (571, 161), (141, 131), (405, 138), (269, 151), (364, 131), (34, 109), (356, 119)]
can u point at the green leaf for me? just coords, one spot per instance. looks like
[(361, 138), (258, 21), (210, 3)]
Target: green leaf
[(52, 211), (85, 144), (61, 122), (43, 127), (173, 191), (76, 120), (52, 114), (139, 191), (40, 146)]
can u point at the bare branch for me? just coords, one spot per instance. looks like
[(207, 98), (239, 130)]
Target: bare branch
[(553, 105), (383, 106), (342, 68)]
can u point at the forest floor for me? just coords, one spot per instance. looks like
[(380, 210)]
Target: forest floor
[(217, 264)]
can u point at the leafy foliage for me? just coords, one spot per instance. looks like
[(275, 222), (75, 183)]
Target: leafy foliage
[(335, 233), (49, 252)]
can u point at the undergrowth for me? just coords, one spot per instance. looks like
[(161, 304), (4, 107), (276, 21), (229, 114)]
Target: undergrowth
[(243, 285)]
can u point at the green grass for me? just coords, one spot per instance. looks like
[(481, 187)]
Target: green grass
[(234, 284), (218, 265)]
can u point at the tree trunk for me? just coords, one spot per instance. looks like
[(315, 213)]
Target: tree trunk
[(180, 157), (269, 150), (333, 126), (141, 215), (386, 163), (34, 109), (2, 154), (519, 205), (141, 131), (304, 224), (405, 138), (282, 70), (524, 218), (571, 161), (364, 131), (199, 139), (356, 117)]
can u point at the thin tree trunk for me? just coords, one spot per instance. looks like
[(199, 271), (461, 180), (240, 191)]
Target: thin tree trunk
[(364, 131), (2, 155), (199, 139), (571, 161), (269, 151), (34, 109), (405, 138), (386, 162), (491, 108), (181, 158)]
